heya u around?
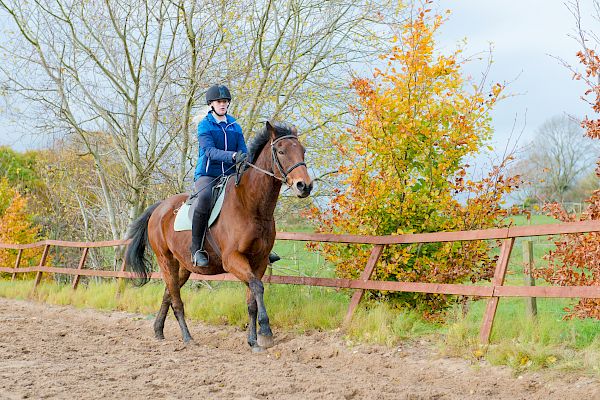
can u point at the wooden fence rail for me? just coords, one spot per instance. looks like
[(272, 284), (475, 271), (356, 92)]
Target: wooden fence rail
[(494, 292)]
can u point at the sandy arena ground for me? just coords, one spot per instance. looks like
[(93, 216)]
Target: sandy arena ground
[(65, 353)]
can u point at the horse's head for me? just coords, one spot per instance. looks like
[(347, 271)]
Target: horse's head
[(288, 159)]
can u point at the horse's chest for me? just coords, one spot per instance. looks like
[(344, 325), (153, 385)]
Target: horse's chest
[(261, 240)]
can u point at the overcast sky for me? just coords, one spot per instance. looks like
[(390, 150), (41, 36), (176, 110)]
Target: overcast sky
[(524, 34)]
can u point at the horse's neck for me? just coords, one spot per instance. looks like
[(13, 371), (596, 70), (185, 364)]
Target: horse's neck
[(262, 190)]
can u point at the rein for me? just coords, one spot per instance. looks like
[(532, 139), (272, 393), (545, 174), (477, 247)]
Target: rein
[(284, 174)]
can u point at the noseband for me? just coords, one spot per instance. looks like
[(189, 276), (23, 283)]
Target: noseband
[(284, 173)]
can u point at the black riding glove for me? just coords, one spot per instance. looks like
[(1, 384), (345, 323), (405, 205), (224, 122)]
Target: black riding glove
[(239, 157)]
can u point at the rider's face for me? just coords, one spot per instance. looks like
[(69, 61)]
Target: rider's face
[(220, 106)]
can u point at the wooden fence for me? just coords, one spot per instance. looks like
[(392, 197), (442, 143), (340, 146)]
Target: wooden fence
[(494, 292)]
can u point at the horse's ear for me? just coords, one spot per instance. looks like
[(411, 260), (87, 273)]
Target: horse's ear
[(271, 130), (294, 130)]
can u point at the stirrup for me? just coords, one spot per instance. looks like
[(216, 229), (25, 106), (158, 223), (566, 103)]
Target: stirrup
[(200, 258), (273, 257)]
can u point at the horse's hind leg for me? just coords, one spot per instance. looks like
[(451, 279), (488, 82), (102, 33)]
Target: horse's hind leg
[(175, 276), (159, 322), (177, 304)]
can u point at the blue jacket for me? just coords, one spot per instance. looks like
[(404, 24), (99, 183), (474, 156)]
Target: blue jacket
[(217, 142)]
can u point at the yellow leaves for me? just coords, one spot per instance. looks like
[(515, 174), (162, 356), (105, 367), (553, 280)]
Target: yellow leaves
[(478, 353), (15, 225), (416, 123), (496, 89), (551, 360)]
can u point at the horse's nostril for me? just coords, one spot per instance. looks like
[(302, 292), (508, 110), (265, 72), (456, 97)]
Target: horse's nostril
[(300, 186)]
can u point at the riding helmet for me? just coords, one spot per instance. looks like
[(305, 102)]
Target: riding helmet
[(217, 92)]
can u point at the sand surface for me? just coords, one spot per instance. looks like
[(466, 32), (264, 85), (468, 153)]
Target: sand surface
[(66, 353)]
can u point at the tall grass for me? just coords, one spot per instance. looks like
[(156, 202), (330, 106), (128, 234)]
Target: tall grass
[(526, 343)]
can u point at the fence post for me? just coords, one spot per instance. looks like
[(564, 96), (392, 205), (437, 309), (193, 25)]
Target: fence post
[(365, 276), (121, 280), (530, 302), (80, 266), (17, 262), (499, 274), (38, 277)]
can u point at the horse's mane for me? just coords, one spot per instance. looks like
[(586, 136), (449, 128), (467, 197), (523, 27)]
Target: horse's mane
[(260, 139)]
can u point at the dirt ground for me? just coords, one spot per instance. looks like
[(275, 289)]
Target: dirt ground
[(65, 353)]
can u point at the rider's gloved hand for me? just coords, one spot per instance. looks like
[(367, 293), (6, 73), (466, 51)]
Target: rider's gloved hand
[(239, 157)]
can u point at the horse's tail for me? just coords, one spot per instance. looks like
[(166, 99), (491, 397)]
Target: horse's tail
[(135, 257)]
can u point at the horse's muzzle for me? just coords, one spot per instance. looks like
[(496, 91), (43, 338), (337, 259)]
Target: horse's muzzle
[(302, 189)]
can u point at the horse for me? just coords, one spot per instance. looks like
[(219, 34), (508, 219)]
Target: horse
[(241, 238)]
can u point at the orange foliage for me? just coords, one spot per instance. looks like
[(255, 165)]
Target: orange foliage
[(576, 260), (405, 168), (16, 228)]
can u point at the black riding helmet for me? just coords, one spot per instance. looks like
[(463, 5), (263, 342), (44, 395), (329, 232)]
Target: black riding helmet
[(217, 92)]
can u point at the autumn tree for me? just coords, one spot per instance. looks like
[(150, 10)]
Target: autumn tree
[(16, 226), (576, 259), (404, 171), (18, 168)]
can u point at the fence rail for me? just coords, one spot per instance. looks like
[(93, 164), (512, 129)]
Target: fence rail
[(494, 292)]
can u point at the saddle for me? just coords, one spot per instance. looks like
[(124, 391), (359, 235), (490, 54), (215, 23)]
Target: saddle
[(183, 219)]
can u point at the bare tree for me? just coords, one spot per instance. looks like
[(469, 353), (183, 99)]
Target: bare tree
[(123, 79), (109, 67), (557, 158)]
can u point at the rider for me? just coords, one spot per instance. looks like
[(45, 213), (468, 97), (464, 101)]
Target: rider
[(221, 146)]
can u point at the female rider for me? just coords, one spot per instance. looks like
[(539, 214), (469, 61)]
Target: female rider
[(221, 145)]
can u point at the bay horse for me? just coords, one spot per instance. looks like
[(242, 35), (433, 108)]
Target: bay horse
[(244, 232)]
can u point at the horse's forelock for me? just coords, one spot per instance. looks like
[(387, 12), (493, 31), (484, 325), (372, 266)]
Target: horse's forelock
[(262, 138)]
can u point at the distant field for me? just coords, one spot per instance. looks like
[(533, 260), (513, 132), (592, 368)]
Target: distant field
[(520, 220)]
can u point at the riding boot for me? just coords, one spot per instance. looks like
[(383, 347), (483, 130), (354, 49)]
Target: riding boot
[(199, 223), (273, 257)]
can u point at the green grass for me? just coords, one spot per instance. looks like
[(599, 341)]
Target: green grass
[(520, 220), (297, 260)]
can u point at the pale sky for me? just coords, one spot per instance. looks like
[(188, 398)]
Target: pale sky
[(524, 34)]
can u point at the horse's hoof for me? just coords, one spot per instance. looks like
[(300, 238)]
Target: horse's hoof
[(257, 349), (265, 341), (159, 337)]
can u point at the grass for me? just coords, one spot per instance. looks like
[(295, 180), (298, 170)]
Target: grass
[(294, 308), (526, 343)]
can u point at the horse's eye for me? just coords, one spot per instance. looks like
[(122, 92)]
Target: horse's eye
[(280, 152)]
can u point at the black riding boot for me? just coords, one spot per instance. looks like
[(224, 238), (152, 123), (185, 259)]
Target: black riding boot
[(199, 222), (273, 257)]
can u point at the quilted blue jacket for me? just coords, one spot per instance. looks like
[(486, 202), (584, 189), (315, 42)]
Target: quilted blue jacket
[(217, 142)]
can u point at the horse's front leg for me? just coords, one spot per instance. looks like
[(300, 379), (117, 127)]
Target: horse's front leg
[(252, 315), (265, 335), (238, 265)]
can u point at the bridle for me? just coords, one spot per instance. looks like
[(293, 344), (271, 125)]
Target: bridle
[(284, 173)]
